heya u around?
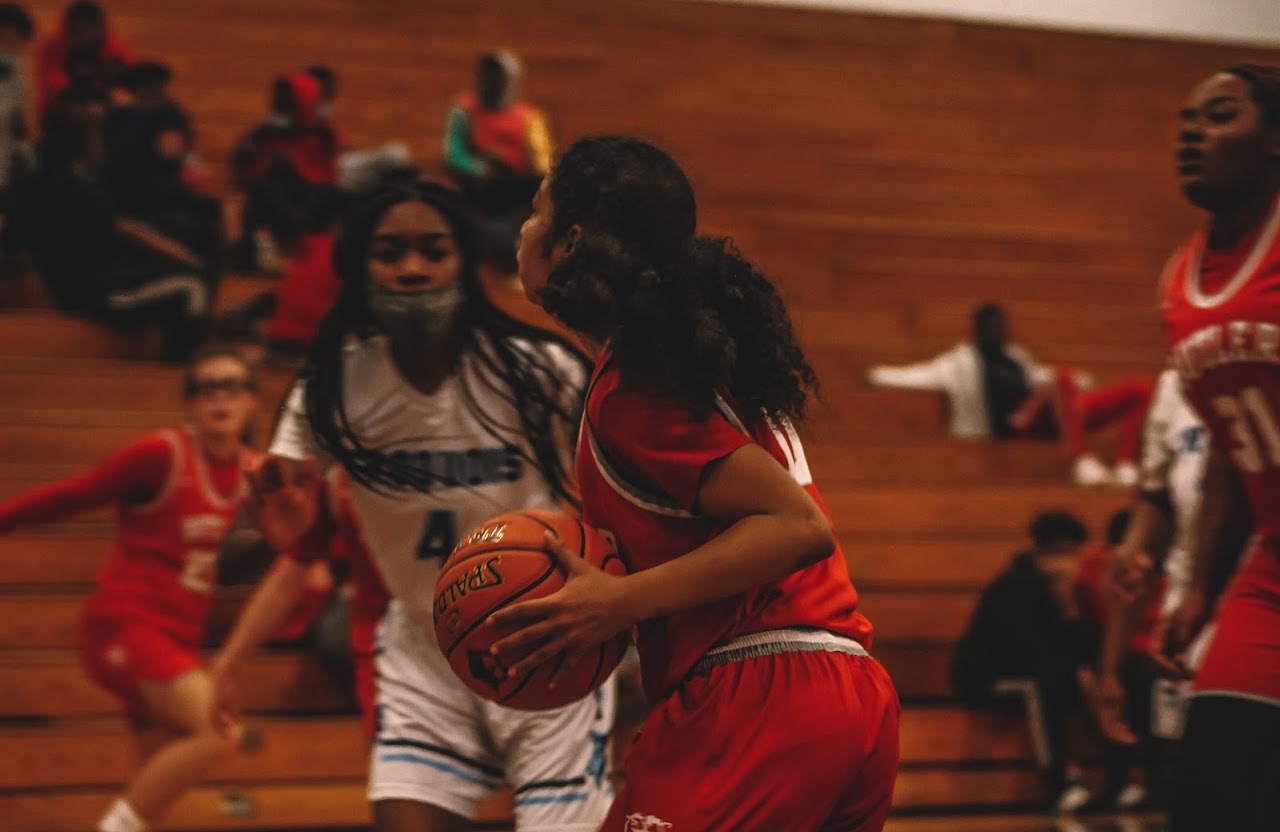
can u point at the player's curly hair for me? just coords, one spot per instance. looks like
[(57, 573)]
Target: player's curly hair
[(511, 357), (686, 313)]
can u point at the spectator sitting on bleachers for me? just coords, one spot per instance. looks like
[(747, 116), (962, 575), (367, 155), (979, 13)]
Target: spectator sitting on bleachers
[(360, 170), (16, 30), (82, 58), (497, 149), (287, 166), (101, 264), (996, 390), (1028, 644), (147, 183)]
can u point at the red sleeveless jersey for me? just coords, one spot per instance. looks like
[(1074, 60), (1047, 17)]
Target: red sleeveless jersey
[(163, 568), (369, 595), (641, 459), (1222, 319)]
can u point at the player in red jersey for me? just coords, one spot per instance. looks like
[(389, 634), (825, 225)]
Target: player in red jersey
[(176, 493), (1221, 307), (767, 711), (335, 537)]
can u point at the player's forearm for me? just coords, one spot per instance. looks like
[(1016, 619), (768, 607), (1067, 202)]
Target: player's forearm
[(1222, 527), (754, 551), (264, 615), (1151, 525)]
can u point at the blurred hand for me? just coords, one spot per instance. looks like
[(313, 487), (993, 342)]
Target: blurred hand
[(1131, 570), (589, 609), (285, 500), (1106, 697), (226, 704), (1174, 634)]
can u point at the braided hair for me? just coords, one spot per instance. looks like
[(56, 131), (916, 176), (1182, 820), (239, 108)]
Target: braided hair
[(686, 313), (511, 358)]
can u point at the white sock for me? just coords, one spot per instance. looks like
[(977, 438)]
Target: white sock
[(121, 818)]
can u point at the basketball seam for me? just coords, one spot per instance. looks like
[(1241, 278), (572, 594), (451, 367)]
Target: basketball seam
[(498, 547), (483, 618)]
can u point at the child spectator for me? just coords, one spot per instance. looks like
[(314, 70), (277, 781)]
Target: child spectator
[(287, 167), (1028, 643), (81, 61), (16, 31), (360, 170), (997, 391), (497, 149)]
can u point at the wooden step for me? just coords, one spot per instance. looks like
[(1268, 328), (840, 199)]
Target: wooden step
[(96, 752), (249, 806), (36, 684), (97, 385), (36, 334), (49, 620), (52, 685), (949, 512), (874, 562), (342, 804)]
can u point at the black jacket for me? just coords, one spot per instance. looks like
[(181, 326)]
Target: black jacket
[(1019, 629)]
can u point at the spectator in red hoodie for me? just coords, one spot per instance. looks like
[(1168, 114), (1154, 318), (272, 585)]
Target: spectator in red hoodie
[(287, 167), (81, 61)]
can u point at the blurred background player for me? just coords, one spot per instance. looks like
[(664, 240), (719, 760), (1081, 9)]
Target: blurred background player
[(996, 390), (82, 62), (335, 539), (740, 597), (1158, 545), (443, 411), (1222, 317), (175, 492), (16, 32)]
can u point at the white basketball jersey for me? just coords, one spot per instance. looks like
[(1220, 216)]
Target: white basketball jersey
[(465, 471), (1175, 447)]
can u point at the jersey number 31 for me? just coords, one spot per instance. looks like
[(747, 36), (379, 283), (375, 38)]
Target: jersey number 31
[(1252, 423)]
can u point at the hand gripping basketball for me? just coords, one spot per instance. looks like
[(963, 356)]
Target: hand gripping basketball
[(591, 608)]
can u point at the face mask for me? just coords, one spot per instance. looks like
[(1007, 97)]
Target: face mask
[(425, 315)]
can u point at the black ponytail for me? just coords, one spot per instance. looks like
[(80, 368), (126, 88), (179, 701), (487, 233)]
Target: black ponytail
[(512, 358), (689, 314)]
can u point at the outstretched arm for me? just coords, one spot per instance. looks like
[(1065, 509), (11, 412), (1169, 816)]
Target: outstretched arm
[(135, 475)]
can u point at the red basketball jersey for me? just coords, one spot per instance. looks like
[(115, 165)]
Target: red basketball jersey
[(641, 458), (1222, 318), (163, 568)]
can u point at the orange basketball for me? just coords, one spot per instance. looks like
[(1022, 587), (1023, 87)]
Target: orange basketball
[(504, 561)]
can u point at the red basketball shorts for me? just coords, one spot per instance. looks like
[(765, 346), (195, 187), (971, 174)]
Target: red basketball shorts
[(120, 652), (785, 730), (1244, 656)]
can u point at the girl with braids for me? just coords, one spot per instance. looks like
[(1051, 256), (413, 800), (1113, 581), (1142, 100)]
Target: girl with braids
[(1221, 308), (767, 711), (443, 411)]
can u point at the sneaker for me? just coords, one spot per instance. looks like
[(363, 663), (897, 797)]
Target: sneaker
[(1131, 798), (1125, 475), (1073, 798), (1090, 472)]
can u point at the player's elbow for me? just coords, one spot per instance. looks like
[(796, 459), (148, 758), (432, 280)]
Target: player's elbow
[(816, 540)]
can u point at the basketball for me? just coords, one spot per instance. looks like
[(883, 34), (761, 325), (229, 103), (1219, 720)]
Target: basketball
[(504, 561)]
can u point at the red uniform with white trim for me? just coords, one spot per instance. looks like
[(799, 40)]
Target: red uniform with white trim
[(146, 618), (767, 712), (1222, 317), (338, 539)]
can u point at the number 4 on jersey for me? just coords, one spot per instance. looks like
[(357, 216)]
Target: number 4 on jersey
[(438, 536)]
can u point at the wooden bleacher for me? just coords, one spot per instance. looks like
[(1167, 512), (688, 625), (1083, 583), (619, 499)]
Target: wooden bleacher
[(889, 173)]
